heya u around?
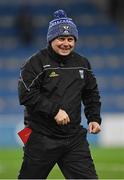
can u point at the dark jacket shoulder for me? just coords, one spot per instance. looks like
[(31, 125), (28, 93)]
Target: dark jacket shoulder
[(82, 60), (35, 62)]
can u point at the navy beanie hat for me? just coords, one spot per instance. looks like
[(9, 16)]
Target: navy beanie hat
[(61, 25)]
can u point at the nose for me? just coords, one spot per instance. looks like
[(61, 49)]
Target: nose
[(65, 42)]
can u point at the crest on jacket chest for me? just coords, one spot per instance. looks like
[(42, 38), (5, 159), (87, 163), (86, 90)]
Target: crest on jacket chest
[(81, 72)]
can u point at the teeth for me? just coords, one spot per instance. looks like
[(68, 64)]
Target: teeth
[(65, 49)]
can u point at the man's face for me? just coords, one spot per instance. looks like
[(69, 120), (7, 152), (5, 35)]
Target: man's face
[(63, 45)]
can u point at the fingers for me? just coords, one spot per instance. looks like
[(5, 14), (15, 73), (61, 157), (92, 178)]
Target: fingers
[(94, 127), (64, 121), (62, 118)]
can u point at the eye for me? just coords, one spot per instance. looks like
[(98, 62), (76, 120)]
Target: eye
[(61, 38), (70, 39)]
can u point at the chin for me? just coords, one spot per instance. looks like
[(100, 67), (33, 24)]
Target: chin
[(64, 53)]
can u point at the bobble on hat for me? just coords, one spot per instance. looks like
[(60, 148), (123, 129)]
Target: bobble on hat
[(59, 14), (61, 25)]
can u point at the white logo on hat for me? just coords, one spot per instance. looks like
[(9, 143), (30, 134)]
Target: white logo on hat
[(66, 29)]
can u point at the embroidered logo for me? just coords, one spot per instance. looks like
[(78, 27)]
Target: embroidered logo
[(65, 29), (81, 74), (53, 74)]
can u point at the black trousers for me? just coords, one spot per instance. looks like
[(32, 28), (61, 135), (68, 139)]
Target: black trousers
[(72, 155)]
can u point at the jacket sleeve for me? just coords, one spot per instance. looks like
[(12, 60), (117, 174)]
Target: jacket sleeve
[(30, 94), (91, 97)]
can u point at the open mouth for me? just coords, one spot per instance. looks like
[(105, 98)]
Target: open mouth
[(65, 49)]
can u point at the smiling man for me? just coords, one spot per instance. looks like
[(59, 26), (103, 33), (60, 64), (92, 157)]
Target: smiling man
[(63, 45), (52, 85)]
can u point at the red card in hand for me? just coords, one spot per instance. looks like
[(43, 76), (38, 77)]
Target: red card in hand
[(24, 134)]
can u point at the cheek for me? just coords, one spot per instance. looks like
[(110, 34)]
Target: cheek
[(55, 47), (72, 46)]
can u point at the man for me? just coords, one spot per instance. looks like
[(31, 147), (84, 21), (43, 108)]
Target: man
[(52, 85)]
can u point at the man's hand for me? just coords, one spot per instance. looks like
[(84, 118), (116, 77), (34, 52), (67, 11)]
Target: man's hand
[(94, 127), (62, 118)]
